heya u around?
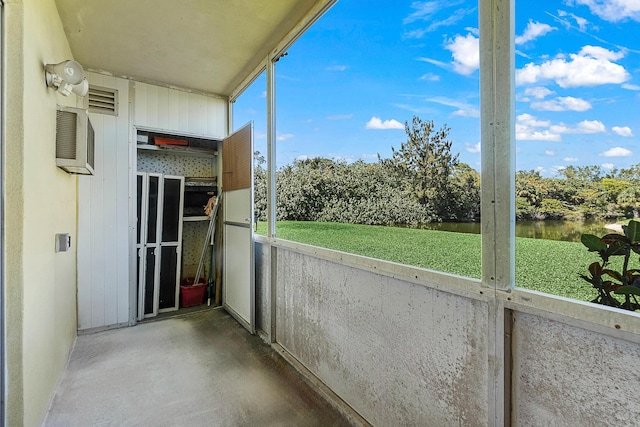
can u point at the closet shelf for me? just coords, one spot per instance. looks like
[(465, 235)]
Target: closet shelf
[(178, 150), (195, 218)]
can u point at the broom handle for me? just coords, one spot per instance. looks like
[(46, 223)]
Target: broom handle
[(206, 241)]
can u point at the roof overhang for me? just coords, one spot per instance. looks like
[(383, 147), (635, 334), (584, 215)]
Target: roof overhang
[(211, 46)]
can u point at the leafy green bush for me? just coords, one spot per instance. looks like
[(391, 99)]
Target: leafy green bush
[(626, 282)]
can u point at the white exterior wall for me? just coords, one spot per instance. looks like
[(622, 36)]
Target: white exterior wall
[(41, 200), (105, 251), (103, 218)]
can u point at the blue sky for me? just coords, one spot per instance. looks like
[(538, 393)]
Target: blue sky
[(346, 87)]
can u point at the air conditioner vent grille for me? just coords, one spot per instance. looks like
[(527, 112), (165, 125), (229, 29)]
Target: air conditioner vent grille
[(91, 136), (66, 134), (75, 141), (103, 100)]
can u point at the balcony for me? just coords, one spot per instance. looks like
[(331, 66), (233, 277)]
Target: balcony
[(198, 369)]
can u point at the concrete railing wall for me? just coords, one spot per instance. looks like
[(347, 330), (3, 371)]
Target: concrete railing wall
[(405, 346)]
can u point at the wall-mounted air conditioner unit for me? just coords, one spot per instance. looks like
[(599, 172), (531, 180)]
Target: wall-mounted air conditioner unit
[(74, 141)]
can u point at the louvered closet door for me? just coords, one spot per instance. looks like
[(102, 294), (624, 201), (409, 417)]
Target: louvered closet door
[(170, 242), (152, 222), (142, 185), (159, 207)]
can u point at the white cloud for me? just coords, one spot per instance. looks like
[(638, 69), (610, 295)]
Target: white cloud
[(370, 156), (423, 11), (340, 117), (528, 129), (581, 22), (622, 131), (430, 77), (608, 166), (562, 104), (284, 136), (464, 109), (472, 30), (550, 153), (538, 92), (377, 123), (426, 11), (525, 134), (473, 148), (592, 66), (630, 87), (584, 127), (469, 112), (529, 120), (338, 68), (570, 159), (414, 109), (452, 19), (617, 152), (434, 62), (613, 10), (533, 31), (466, 53), (302, 157), (599, 52)]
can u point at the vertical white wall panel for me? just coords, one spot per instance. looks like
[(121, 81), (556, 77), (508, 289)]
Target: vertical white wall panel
[(123, 173), (172, 103), (103, 222), (152, 106), (96, 231), (182, 111), (179, 111), (84, 242), (162, 107)]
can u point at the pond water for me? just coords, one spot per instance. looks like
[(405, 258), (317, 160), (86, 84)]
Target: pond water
[(569, 231)]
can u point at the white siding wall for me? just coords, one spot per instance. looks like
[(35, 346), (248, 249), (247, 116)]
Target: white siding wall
[(175, 110), (104, 250), (103, 218)]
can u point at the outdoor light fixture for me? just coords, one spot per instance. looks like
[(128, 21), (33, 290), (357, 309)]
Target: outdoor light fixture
[(66, 77)]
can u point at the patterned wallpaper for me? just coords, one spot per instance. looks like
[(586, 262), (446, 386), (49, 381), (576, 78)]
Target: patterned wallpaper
[(171, 164), (193, 235)]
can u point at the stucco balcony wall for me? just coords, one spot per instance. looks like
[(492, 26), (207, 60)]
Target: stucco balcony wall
[(405, 346)]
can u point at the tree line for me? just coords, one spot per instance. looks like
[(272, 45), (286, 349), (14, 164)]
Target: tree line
[(424, 182)]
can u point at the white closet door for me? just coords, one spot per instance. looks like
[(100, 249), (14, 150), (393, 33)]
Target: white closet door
[(238, 288)]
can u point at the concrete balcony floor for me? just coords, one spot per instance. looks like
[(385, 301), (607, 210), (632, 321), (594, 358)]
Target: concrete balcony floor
[(201, 369)]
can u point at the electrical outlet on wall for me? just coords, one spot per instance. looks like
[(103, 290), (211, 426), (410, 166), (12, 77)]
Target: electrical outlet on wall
[(63, 242)]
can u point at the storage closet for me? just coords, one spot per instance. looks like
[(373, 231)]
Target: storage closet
[(176, 176)]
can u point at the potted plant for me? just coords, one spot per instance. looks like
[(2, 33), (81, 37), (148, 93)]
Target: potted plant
[(619, 289)]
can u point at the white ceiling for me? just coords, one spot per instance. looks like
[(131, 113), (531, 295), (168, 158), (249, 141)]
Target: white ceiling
[(207, 45)]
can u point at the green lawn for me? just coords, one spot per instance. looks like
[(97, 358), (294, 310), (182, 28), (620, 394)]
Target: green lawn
[(543, 265)]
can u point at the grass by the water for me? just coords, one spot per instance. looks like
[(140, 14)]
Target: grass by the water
[(544, 265)]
